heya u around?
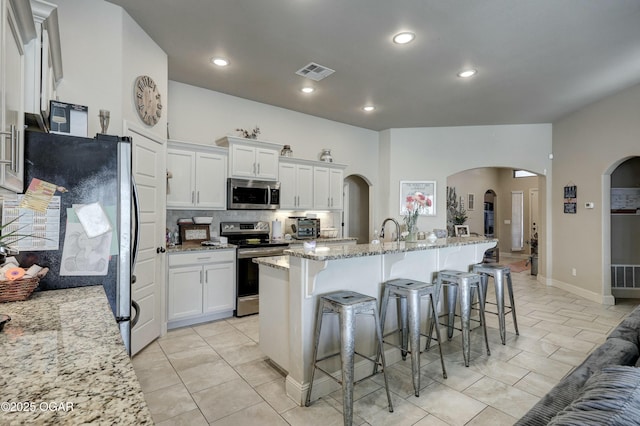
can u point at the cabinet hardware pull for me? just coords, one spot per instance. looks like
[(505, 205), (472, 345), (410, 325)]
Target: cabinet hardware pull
[(12, 134), (200, 277), (206, 276), (14, 150), (198, 197), (258, 168), (193, 197)]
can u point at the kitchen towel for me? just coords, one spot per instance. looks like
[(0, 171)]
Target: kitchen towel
[(276, 230)]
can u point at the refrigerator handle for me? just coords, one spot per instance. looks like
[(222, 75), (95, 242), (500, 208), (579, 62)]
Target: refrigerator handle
[(136, 221), (135, 319)]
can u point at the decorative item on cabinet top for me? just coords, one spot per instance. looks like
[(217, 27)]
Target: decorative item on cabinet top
[(245, 133)]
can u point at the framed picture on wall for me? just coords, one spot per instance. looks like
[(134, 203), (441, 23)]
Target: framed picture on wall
[(418, 194), (471, 201)]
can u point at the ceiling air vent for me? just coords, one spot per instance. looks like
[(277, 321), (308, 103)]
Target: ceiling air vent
[(315, 72)]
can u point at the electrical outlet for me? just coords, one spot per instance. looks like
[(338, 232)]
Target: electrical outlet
[(573, 272)]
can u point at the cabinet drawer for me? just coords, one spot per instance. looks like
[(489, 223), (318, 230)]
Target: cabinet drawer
[(201, 257)]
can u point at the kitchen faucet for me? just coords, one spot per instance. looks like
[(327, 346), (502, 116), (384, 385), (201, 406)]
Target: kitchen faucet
[(384, 222)]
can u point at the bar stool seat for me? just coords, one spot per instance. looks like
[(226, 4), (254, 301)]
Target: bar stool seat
[(409, 293), (465, 283), (499, 273), (347, 304)]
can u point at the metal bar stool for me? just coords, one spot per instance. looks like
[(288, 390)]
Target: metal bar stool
[(409, 293), (465, 284), (347, 304), (498, 273)]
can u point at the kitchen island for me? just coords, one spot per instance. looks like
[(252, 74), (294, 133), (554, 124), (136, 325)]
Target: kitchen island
[(289, 293), (64, 362)]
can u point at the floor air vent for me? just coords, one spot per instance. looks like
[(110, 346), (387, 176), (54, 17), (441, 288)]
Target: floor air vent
[(315, 72)]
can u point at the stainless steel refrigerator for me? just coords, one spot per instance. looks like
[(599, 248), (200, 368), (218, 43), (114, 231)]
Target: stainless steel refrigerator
[(94, 170)]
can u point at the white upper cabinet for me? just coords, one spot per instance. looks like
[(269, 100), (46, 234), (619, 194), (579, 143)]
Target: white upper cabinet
[(296, 184), (12, 96), (251, 159), (327, 187), (196, 177), (43, 59)]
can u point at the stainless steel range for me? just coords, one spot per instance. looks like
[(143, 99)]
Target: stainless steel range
[(252, 239)]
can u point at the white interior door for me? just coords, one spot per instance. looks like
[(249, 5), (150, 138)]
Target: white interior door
[(149, 172), (517, 217)]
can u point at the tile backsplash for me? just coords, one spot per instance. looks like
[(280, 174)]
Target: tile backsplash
[(327, 219)]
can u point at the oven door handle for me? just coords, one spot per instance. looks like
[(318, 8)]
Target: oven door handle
[(249, 253)]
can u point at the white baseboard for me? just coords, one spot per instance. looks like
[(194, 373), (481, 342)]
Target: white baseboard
[(579, 291)]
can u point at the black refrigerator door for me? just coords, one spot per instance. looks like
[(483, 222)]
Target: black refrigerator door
[(88, 169)]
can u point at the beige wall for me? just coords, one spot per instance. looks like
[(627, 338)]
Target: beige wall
[(437, 153), (477, 182), (103, 51), (587, 146), (502, 182)]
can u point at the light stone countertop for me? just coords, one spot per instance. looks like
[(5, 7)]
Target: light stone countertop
[(360, 250), (198, 247), (277, 262), (63, 349)]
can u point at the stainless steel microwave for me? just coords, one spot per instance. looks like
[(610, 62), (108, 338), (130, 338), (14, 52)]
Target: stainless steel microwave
[(252, 195)]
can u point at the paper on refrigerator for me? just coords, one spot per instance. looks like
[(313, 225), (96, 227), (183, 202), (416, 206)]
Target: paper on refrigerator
[(82, 255), (87, 241)]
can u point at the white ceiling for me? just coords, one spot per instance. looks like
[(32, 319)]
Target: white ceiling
[(537, 60)]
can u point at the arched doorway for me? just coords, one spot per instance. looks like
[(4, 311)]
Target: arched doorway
[(490, 200), (356, 213), (625, 229)]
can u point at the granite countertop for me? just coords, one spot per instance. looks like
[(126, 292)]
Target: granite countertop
[(325, 240), (197, 247), (360, 250), (64, 362), (277, 262)]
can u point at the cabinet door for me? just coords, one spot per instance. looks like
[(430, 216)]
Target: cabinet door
[(211, 180), (243, 161), (267, 164), (288, 187), (11, 101), (181, 186), (321, 194), (184, 296), (336, 188), (304, 180), (219, 287)]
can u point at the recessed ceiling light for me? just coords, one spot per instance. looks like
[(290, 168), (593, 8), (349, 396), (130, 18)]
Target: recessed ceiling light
[(467, 73), (369, 108), (221, 62), (404, 37), (307, 89)]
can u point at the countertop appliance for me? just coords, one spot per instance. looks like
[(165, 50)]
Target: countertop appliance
[(302, 228), (252, 195), (91, 170), (252, 239)]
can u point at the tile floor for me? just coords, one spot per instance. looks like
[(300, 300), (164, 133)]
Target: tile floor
[(215, 374)]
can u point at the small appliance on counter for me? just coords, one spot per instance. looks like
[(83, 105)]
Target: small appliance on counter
[(302, 228)]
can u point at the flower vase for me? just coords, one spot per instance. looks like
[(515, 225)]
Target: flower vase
[(412, 235)]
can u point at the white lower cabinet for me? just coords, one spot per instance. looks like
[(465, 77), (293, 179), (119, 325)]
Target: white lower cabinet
[(201, 286)]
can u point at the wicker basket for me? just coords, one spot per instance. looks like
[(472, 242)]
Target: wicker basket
[(13, 291)]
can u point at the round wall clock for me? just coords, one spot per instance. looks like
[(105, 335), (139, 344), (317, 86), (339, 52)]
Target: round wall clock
[(147, 99)]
